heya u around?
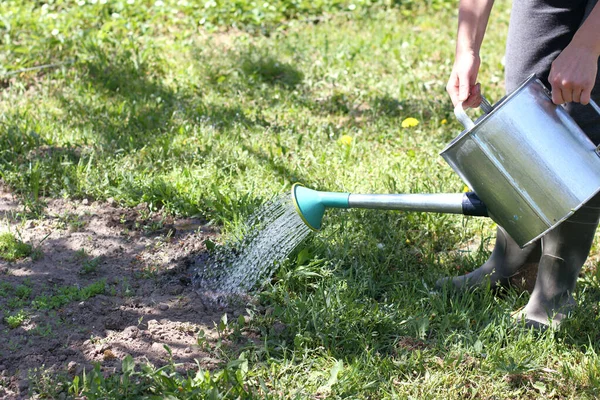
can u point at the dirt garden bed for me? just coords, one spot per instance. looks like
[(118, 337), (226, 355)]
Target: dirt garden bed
[(103, 282)]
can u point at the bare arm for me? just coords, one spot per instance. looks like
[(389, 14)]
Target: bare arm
[(573, 73), (473, 17)]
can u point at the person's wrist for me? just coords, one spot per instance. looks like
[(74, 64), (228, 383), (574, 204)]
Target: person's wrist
[(587, 43), (466, 51), (467, 57)]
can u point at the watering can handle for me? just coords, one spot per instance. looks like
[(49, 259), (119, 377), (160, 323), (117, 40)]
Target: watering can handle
[(597, 109), (463, 118), (486, 107), (595, 106)]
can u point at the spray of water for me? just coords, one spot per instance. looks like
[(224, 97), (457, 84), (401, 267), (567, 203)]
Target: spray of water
[(269, 236)]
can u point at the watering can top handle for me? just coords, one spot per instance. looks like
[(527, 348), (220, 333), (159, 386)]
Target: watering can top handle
[(463, 118), (485, 105)]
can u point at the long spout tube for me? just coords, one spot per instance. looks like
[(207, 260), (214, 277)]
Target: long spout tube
[(446, 203), (311, 204)]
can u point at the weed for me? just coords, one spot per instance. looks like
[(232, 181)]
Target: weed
[(72, 222), (80, 255), (90, 265), (12, 249), (15, 302), (22, 291), (43, 330), (36, 253), (126, 290), (13, 345), (47, 384), (67, 294), (148, 272), (132, 382), (16, 320), (5, 289)]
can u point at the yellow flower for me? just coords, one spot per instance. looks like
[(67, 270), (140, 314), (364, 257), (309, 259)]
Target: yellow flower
[(410, 122), (466, 189), (444, 121), (346, 140)]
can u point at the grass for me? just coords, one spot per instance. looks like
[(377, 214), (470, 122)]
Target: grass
[(206, 110)]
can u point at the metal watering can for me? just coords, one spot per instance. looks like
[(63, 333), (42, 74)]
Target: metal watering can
[(527, 160)]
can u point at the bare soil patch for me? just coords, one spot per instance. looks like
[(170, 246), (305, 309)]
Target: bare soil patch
[(146, 261)]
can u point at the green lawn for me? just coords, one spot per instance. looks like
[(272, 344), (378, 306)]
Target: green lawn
[(211, 108)]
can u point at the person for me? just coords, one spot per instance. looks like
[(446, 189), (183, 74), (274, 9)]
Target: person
[(559, 41)]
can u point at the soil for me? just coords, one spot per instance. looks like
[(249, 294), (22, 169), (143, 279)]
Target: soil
[(147, 261)]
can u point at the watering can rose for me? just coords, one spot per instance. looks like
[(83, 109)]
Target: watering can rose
[(410, 122)]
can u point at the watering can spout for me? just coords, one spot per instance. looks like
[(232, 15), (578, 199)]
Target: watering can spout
[(311, 204)]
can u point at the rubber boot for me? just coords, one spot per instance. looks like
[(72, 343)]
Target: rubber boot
[(564, 251), (508, 264)]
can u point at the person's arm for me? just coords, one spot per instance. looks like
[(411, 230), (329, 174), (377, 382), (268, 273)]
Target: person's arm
[(573, 73), (473, 17)]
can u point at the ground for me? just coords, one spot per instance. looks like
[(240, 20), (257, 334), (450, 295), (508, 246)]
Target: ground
[(148, 301)]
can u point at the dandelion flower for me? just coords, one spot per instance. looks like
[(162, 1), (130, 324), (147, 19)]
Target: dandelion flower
[(466, 189), (444, 121), (345, 140), (410, 122)]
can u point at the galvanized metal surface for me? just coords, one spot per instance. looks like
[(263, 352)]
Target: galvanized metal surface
[(528, 161), (450, 203)]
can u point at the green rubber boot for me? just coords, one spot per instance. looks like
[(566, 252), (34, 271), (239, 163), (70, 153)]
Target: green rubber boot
[(508, 265), (564, 251)]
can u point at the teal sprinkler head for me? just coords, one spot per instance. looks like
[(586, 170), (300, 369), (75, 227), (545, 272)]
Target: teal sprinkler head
[(311, 204)]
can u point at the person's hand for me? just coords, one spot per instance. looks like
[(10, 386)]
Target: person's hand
[(573, 75), (462, 85)]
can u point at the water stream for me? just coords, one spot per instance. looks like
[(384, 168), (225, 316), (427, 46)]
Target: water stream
[(269, 236)]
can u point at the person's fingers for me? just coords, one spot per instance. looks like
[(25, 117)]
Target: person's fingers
[(577, 95), (474, 98), (454, 97), (567, 94), (557, 97), (452, 88), (469, 103), (586, 96), (464, 87)]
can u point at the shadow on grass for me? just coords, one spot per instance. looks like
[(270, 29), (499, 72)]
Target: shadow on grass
[(264, 68)]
